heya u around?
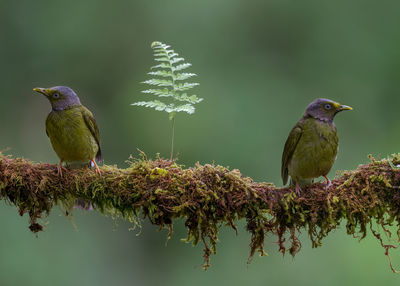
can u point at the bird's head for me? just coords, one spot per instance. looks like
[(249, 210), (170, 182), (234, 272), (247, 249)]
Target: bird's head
[(325, 109), (60, 97)]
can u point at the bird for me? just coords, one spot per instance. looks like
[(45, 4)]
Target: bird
[(311, 147), (71, 128)]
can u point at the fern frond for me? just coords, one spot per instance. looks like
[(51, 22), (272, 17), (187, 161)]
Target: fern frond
[(162, 66), (170, 109), (195, 99), (181, 67), (163, 59), (172, 54), (176, 60), (159, 82), (185, 108), (158, 92), (165, 74), (191, 99), (159, 45), (156, 104), (162, 73), (160, 54), (184, 86), (183, 76)]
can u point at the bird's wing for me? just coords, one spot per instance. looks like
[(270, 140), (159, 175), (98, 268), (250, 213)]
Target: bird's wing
[(290, 146), (49, 118), (94, 129)]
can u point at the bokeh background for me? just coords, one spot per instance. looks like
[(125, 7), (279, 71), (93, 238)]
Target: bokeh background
[(259, 64)]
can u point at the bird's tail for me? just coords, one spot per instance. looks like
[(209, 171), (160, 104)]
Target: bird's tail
[(99, 156)]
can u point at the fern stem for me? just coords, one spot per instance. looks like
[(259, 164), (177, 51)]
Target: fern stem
[(172, 138)]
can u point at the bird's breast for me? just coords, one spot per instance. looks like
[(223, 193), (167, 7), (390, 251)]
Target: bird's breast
[(70, 137), (316, 150)]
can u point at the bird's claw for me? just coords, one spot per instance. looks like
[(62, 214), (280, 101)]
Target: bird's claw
[(328, 183), (60, 169), (96, 168), (298, 190), (98, 171)]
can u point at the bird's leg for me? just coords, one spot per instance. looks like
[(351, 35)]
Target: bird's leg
[(96, 168), (328, 183), (298, 189), (60, 168)]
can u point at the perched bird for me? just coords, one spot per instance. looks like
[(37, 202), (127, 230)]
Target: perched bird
[(311, 148), (71, 127)]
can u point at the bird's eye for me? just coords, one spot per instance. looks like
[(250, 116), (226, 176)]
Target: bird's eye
[(328, 106), (56, 95)]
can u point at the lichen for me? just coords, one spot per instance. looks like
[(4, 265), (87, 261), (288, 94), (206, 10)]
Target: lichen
[(207, 197)]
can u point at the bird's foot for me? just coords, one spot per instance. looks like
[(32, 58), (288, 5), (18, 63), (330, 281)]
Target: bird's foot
[(60, 169), (298, 190), (328, 183), (96, 168)]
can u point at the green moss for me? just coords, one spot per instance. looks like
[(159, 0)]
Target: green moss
[(208, 197), (156, 173)]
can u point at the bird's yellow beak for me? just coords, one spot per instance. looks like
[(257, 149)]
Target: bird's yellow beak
[(41, 90), (345, 107)]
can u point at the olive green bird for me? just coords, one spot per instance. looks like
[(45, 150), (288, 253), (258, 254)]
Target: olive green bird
[(71, 127), (311, 148)]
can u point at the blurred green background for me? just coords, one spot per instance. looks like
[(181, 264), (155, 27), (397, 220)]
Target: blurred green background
[(259, 63)]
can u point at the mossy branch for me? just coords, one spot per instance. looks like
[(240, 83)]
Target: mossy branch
[(208, 196)]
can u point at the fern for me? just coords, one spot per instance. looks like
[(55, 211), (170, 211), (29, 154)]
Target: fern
[(171, 83), (170, 79)]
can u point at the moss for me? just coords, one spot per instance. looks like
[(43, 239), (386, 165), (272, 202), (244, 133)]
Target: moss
[(208, 197)]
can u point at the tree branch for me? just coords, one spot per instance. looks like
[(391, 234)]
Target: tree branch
[(208, 196)]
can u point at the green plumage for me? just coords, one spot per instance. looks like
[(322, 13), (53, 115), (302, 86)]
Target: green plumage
[(71, 127), (310, 150), (74, 134), (311, 147)]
